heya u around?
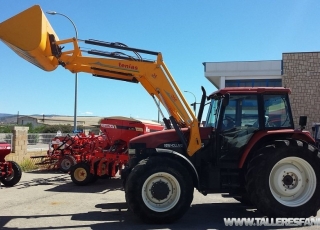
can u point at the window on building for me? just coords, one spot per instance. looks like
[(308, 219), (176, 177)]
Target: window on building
[(254, 83)]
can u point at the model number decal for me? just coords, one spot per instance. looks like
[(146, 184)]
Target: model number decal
[(177, 145), (173, 145)]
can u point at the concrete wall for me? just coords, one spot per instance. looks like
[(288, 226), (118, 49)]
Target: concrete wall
[(301, 73)]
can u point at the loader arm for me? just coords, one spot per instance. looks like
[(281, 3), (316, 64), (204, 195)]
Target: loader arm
[(35, 41)]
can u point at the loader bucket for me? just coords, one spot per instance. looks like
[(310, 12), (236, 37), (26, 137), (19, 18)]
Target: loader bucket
[(27, 34)]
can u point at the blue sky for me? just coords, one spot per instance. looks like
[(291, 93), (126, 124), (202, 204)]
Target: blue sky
[(187, 33)]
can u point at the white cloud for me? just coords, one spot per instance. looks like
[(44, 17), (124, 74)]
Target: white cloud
[(87, 113)]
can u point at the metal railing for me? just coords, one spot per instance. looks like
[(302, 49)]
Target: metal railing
[(7, 137), (40, 141)]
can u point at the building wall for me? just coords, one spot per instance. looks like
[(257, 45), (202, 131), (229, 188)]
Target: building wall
[(27, 120), (220, 72), (301, 73)]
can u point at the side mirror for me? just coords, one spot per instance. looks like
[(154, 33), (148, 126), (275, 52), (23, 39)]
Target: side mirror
[(225, 100), (303, 122)]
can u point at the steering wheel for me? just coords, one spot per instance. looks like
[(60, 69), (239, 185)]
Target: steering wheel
[(228, 118), (231, 123)]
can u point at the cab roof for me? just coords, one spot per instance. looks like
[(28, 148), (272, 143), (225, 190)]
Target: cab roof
[(250, 90)]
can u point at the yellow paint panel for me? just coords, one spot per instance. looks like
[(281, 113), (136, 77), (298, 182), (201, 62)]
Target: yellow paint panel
[(27, 34)]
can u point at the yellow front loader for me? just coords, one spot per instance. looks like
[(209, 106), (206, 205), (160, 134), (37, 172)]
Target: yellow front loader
[(31, 36)]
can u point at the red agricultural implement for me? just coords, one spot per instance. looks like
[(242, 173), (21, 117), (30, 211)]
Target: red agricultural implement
[(63, 152), (89, 157), (104, 155), (10, 171)]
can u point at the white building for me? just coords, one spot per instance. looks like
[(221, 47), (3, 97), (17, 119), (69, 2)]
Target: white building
[(244, 73)]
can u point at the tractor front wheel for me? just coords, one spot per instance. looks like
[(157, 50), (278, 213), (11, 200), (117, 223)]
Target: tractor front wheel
[(13, 178), (80, 174), (159, 190), (283, 179)]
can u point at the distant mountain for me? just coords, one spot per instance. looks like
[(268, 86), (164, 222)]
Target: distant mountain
[(6, 115), (40, 115), (7, 118)]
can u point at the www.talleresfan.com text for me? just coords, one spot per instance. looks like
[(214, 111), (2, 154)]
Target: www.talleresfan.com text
[(271, 221)]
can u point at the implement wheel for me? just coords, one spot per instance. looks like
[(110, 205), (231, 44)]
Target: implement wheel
[(14, 177), (80, 174), (66, 163), (159, 190), (283, 179)]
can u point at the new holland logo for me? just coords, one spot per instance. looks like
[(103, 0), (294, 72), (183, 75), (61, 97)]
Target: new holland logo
[(108, 126)]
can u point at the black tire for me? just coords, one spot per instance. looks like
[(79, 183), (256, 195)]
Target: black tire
[(168, 190), (14, 178), (283, 179), (66, 163), (243, 199), (80, 174)]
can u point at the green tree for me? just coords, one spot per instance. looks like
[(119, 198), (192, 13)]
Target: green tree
[(6, 128)]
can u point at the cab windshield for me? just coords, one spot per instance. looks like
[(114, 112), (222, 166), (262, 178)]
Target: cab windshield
[(213, 113)]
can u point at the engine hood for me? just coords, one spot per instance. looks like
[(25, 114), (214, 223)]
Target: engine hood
[(157, 139)]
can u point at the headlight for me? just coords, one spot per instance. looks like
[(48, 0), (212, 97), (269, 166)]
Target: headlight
[(132, 151)]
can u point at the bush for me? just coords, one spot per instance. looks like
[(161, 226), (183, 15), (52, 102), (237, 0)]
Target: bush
[(28, 165), (6, 128)]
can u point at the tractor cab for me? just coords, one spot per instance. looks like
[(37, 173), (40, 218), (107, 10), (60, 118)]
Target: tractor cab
[(236, 114)]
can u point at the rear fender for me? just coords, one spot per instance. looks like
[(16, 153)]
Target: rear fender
[(264, 136)]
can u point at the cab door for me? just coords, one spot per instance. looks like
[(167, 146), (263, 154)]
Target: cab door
[(238, 123)]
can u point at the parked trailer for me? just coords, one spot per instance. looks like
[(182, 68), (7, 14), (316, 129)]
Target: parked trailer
[(10, 171)]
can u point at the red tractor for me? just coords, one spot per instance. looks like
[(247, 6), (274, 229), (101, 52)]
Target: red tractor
[(10, 171), (104, 155)]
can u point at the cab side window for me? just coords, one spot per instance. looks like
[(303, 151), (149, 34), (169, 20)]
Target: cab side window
[(276, 111)]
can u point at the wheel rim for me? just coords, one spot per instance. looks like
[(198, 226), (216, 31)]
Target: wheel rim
[(10, 177), (292, 181), (66, 164), (80, 174), (161, 192)]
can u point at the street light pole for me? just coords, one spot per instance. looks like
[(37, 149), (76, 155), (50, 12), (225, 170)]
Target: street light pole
[(195, 102), (76, 74)]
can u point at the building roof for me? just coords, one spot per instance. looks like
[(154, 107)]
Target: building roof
[(81, 120)]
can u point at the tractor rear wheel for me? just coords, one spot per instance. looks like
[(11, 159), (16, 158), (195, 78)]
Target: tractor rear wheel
[(14, 177), (66, 163), (283, 179), (243, 199), (159, 190), (80, 174)]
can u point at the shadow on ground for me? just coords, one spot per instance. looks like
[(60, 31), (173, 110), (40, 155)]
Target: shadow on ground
[(117, 216), (62, 182)]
